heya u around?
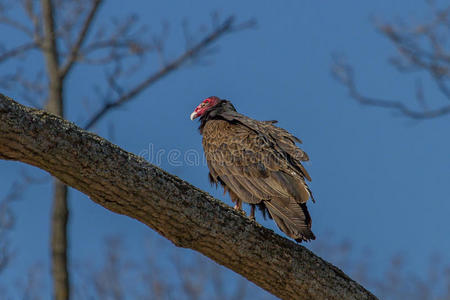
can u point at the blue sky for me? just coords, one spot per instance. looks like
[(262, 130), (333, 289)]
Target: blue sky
[(380, 180)]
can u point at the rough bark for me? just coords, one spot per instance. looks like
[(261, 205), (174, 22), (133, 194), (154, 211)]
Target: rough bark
[(126, 184)]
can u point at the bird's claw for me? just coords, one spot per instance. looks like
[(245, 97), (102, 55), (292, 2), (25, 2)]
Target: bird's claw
[(240, 210)]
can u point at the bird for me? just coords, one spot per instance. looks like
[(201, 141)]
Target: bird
[(258, 163)]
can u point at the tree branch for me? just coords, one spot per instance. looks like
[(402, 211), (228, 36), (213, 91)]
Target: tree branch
[(344, 74), (421, 47), (227, 26), (50, 46), (17, 51), (16, 25), (72, 57), (190, 218)]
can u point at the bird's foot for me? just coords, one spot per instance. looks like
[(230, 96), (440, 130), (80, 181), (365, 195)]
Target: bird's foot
[(240, 210)]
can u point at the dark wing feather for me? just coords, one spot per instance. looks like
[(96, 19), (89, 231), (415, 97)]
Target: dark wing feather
[(292, 218), (234, 164), (285, 141), (255, 163)]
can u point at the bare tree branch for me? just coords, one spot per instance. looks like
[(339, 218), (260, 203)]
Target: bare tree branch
[(17, 51), (121, 40), (227, 26), (29, 7), (72, 57), (16, 25), (421, 48), (344, 74), (190, 218)]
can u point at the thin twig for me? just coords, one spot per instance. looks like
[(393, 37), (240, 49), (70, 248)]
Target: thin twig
[(344, 74), (421, 48), (17, 51), (35, 19), (72, 57), (16, 25)]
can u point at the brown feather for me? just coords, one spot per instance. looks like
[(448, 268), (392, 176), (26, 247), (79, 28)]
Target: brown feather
[(260, 164)]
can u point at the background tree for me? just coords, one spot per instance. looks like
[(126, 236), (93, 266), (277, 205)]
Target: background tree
[(66, 35)]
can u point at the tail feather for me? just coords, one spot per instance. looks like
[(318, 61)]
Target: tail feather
[(291, 217)]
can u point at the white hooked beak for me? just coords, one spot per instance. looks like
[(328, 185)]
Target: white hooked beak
[(193, 116)]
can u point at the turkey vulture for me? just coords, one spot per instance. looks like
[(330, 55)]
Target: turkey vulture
[(257, 163)]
